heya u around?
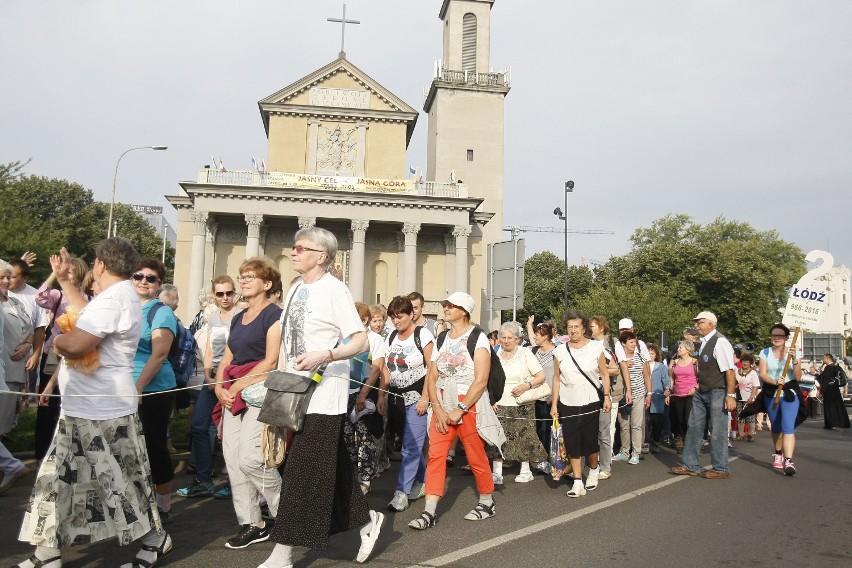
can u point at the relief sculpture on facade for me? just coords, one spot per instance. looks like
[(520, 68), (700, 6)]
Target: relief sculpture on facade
[(336, 151)]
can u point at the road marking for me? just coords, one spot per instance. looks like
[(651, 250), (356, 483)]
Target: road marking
[(452, 557)]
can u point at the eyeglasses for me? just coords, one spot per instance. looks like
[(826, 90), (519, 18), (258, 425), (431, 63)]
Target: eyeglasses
[(246, 278), (229, 293), (300, 249), (149, 278)]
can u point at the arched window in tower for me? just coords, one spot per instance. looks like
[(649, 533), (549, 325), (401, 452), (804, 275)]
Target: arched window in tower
[(469, 43)]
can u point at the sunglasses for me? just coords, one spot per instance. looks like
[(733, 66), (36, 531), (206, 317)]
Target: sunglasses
[(300, 249), (449, 305), (149, 278), (229, 293)]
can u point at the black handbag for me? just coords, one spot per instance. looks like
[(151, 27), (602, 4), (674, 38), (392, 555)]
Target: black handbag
[(287, 398)]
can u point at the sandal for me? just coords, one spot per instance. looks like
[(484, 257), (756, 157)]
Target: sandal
[(161, 551), (481, 512), (365, 486), (38, 563), (425, 521)]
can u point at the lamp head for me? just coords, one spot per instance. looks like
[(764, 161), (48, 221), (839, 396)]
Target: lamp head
[(569, 186), (159, 147), (558, 212)]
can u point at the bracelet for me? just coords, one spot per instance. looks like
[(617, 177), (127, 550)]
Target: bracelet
[(463, 407), (330, 357), (732, 395)]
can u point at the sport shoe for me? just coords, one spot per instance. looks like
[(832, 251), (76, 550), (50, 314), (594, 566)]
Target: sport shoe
[(577, 490), (369, 538), (789, 467), (418, 491), (451, 460), (620, 457), (634, 459), (399, 502), (778, 461), (604, 475), (197, 489), (10, 479), (249, 534), (223, 493), (592, 480), (524, 477), (498, 479)]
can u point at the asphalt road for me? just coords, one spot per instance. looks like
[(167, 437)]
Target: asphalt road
[(642, 516)]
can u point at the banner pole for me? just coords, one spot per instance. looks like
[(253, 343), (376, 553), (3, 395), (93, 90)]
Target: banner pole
[(790, 353)]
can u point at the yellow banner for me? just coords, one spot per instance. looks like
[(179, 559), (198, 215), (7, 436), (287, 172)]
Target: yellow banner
[(340, 183)]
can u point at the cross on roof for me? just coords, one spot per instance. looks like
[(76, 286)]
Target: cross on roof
[(343, 21)]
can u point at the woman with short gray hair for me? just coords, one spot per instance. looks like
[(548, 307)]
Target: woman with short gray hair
[(523, 373)]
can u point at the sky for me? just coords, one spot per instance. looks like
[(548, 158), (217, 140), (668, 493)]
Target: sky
[(718, 107)]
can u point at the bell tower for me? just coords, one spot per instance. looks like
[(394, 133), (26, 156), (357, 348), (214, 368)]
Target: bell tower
[(465, 142)]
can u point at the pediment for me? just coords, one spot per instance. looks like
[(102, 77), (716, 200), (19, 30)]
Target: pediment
[(337, 87)]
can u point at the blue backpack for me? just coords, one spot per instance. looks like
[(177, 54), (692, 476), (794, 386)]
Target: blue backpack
[(182, 352)]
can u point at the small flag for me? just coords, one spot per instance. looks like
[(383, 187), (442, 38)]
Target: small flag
[(254, 163), (221, 164), (452, 176), (262, 165), (215, 167), (412, 171)]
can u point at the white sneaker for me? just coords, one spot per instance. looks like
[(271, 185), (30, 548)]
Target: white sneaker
[(418, 491), (634, 459), (620, 457), (498, 479), (399, 502), (524, 477), (592, 481), (604, 475), (368, 540), (577, 491)]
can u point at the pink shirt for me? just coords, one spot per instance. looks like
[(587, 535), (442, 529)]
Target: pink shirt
[(684, 379)]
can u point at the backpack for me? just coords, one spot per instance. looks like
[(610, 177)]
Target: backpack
[(182, 353), (496, 376), (417, 329)]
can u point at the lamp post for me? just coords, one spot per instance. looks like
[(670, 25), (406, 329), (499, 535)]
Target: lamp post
[(563, 216), (110, 230)]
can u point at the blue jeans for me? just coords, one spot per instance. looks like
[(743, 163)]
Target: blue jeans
[(707, 407), (413, 467), (202, 442)]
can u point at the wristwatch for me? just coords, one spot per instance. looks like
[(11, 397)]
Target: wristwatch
[(731, 394), (463, 407)]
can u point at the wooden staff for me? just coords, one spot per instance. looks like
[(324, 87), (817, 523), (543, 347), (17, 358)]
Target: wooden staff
[(789, 360)]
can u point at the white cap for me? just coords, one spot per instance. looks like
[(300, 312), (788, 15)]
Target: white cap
[(709, 316), (625, 323), (462, 300)]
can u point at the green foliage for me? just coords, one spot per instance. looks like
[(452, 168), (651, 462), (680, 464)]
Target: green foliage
[(41, 214), (677, 267)]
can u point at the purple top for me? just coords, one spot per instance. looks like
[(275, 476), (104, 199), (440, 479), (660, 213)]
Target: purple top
[(47, 298)]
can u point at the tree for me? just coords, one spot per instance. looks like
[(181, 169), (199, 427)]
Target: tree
[(727, 267), (544, 286), (42, 214)]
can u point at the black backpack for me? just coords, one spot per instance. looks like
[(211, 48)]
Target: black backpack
[(496, 376), (417, 329)]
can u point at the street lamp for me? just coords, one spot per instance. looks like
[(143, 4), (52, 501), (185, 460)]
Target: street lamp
[(563, 216), (115, 177)]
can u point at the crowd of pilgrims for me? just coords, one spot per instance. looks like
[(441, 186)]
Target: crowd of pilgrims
[(396, 386)]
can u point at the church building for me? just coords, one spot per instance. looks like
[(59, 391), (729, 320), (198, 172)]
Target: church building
[(336, 159)]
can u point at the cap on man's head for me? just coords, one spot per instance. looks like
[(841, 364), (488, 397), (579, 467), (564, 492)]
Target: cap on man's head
[(709, 316), (625, 323), (690, 331), (462, 300)]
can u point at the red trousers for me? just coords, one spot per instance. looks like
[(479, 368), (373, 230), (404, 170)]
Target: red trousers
[(474, 449)]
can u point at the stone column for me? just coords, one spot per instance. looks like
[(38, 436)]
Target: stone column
[(313, 135), (409, 259), (196, 268), (361, 148), (254, 221), (356, 258), (450, 260), (210, 252), (307, 222), (461, 233)]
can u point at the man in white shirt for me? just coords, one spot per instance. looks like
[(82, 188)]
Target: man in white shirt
[(20, 289)]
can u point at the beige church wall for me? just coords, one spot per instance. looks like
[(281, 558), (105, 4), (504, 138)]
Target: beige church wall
[(183, 250), (280, 257), (431, 275), (380, 276), (229, 257), (385, 151), (288, 142), (453, 35), (344, 81)]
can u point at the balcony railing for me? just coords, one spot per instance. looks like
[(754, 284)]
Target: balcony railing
[(489, 79), (253, 178)]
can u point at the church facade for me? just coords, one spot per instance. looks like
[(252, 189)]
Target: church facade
[(337, 143)]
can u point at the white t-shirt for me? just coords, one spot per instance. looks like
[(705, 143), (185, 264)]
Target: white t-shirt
[(747, 384), (405, 363), (321, 315), (643, 351), (522, 365), (454, 361), (574, 389), (27, 296), (115, 315)]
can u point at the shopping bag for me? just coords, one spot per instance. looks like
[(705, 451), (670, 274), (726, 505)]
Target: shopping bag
[(559, 464)]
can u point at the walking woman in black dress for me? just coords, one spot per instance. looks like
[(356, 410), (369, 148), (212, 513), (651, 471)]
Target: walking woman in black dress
[(832, 384)]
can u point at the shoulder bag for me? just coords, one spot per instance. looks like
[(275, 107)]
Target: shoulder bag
[(533, 394), (288, 394), (598, 389)]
